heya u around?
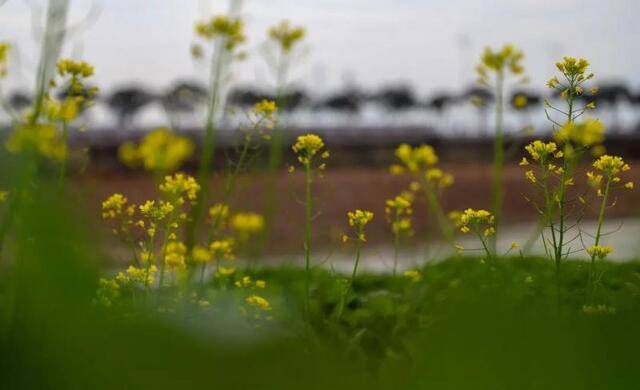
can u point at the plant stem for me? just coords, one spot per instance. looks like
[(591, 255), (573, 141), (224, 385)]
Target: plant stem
[(497, 185), (63, 163), (603, 207), (358, 250), (307, 235)]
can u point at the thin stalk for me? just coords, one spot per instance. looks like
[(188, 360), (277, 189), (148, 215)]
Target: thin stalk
[(497, 184), (358, 250), (208, 148), (63, 163), (436, 209), (307, 235), (396, 245), (603, 207)]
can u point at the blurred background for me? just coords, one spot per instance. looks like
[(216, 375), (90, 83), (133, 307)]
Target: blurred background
[(368, 76)]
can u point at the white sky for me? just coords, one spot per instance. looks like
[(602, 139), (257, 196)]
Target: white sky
[(429, 44)]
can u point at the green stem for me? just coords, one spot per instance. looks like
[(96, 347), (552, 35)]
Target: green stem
[(307, 235), (63, 163), (603, 207), (358, 250), (497, 184)]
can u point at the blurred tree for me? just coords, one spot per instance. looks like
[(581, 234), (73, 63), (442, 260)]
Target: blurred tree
[(245, 97), (183, 98), (396, 98), (19, 101), (127, 102), (481, 98), (348, 101), (439, 103), (610, 96)]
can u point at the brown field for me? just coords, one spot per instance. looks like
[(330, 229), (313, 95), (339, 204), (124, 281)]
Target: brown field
[(341, 190)]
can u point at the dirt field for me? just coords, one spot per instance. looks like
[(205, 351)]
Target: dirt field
[(341, 190)]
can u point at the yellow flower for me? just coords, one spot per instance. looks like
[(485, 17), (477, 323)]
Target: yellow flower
[(531, 176), (629, 185), (553, 82), (611, 165), (396, 169), (593, 179), (497, 61), (219, 212), (144, 276), (258, 302), (230, 30), (286, 35), (75, 68), (113, 206), (418, 158), (222, 249), (571, 66), (175, 255), (247, 223), (265, 108), (307, 146), (359, 218), (599, 251), (520, 101), (39, 139), (414, 275), (479, 221), (180, 185), (159, 151), (3, 196), (226, 271), (200, 254), (587, 133), (540, 151), (4, 51)]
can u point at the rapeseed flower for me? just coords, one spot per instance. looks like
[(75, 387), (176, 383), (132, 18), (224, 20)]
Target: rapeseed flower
[(258, 302), (180, 186), (159, 151), (175, 255), (40, 139), (286, 35), (4, 54), (599, 251), (309, 146), (247, 223), (508, 58), (229, 29)]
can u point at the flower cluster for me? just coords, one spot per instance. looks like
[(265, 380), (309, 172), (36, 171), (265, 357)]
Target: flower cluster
[(159, 151), (77, 96), (608, 168), (414, 159), (180, 186), (477, 221), (358, 219), (286, 35), (175, 256), (4, 54), (584, 134), (599, 251), (39, 139), (229, 29), (398, 212), (497, 61), (414, 276), (246, 224), (309, 146), (574, 75)]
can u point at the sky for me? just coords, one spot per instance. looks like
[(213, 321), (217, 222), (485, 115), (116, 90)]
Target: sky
[(430, 45)]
